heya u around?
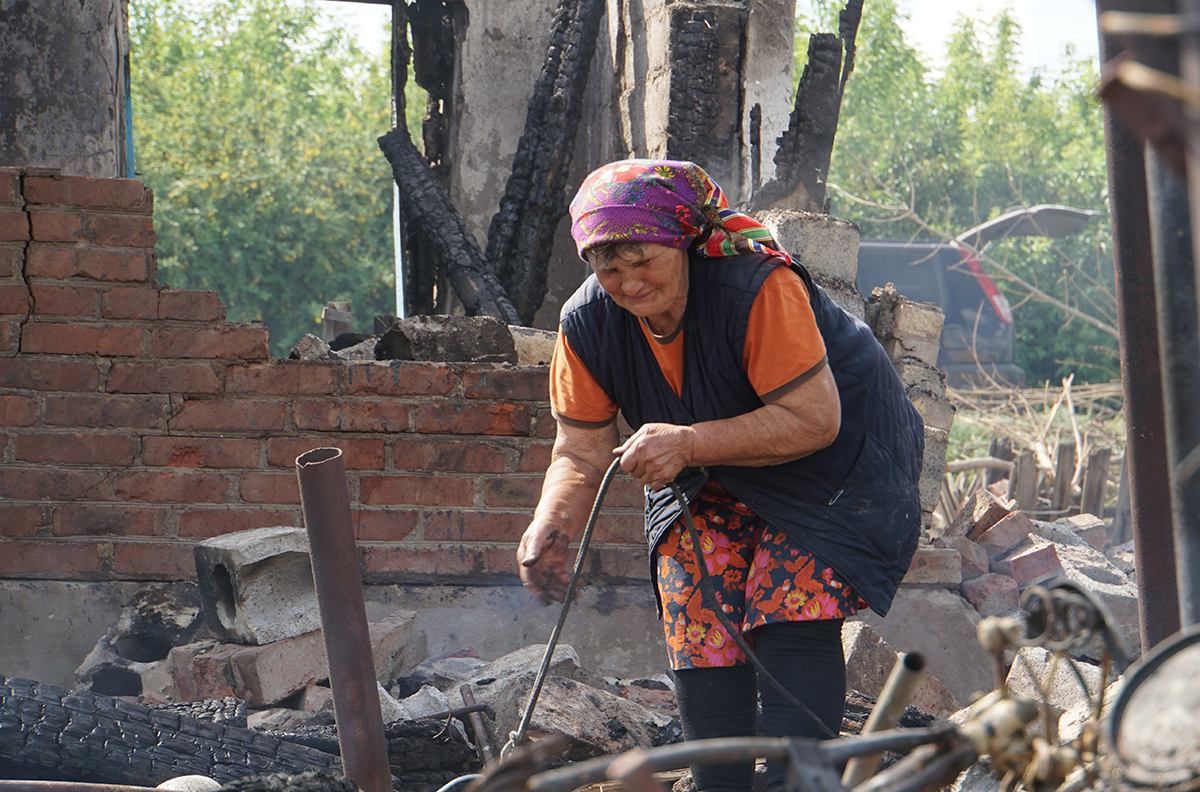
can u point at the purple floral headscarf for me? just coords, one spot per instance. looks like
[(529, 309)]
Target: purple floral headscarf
[(663, 202)]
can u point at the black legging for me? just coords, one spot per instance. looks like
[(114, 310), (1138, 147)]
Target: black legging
[(806, 658)]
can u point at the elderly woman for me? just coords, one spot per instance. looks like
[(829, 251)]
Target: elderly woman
[(776, 413)]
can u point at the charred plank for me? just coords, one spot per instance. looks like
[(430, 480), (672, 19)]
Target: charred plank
[(47, 732), (521, 234)]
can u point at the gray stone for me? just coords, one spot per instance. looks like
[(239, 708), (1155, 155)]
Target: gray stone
[(1121, 556), (979, 777), (534, 347), (563, 663), (397, 645), (1037, 675), (483, 339), (310, 347), (1071, 723), (869, 662), (280, 719), (941, 626), (363, 350), (257, 585), (190, 783), (1057, 533), (595, 721)]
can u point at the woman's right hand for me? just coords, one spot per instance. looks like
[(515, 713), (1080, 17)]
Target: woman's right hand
[(542, 560)]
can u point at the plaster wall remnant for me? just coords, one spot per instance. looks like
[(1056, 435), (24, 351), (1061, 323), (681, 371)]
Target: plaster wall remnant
[(668, 79), (63, 97)]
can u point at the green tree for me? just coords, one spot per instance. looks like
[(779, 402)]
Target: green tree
[(255, 126), (925, 155)]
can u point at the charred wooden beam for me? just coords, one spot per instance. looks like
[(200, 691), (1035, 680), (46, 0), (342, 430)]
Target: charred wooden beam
[(521, 233), (806, 146), (435, 48), (425, 205), (707, 44), (433, 228)]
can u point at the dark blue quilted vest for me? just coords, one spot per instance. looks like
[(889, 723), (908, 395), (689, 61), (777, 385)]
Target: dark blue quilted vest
[(854, 504)]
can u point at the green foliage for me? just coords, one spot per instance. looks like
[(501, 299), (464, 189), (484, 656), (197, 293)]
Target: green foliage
[(927, 155), (256, 125)]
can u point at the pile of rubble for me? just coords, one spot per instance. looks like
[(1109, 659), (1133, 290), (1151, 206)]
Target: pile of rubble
[(477, 339), (1003, 552), (244, 647)]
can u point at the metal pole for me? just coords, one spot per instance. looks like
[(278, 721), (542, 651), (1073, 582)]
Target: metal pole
[(896, 694), (1186, 456), (1145, 425), (1179, 339), (326, 502)]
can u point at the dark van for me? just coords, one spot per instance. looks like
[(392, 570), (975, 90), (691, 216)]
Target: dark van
[(977, 338)]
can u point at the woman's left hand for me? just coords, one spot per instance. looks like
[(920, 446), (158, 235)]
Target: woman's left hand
[(655, 453)]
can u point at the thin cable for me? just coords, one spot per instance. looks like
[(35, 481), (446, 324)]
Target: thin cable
[(518, 737), (713, 602)]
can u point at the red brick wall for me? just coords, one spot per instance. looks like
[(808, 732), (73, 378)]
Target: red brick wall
[(135, 421)]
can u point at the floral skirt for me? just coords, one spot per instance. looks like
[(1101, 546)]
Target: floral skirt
[(760, 575)]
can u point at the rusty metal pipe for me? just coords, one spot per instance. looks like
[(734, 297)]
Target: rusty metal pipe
[(67, 786), (325, 498), (483, 737), (1137, 311), (897, 692)]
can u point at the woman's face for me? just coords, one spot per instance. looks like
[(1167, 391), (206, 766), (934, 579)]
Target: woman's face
[(647, 279)]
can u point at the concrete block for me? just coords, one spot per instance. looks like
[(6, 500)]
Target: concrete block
[(1008, 532), (869, 661), (267, 674), (940, 625), (924, 349), (973, 558), (933, 466), (826, 246), (257, 586), (935, 566), (397, 645), (935, 410), (917, 320), (916, 373), (992, 594)]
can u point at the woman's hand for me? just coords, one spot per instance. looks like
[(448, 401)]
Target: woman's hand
[(655, 453), (542, 560)]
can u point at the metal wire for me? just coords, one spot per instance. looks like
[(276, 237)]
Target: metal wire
[(518, 737)]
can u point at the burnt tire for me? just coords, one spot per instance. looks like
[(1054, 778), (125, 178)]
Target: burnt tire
[(50, 733)]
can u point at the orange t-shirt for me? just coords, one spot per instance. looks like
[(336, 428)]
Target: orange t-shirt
[(783, 347)]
